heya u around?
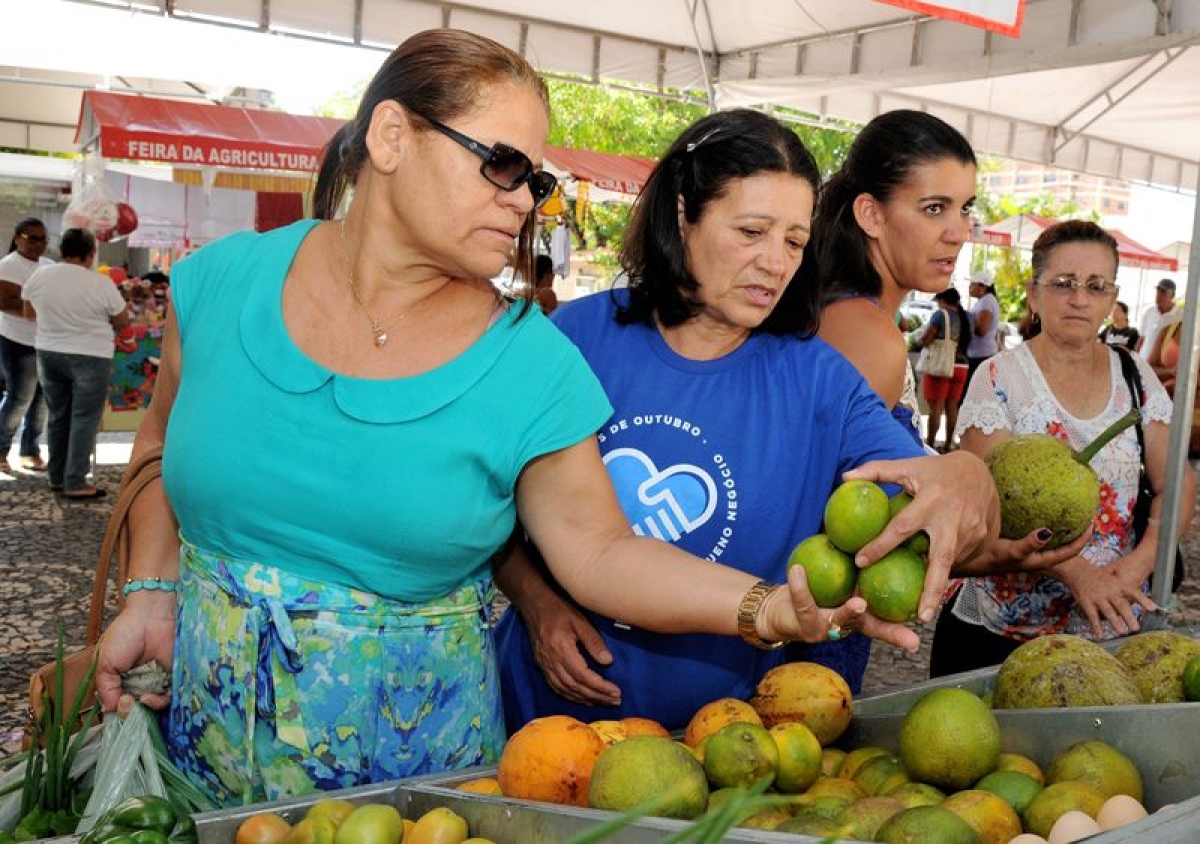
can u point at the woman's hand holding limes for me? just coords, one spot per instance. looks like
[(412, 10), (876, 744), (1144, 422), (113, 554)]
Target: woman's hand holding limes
[(954, 502), (792, 613)]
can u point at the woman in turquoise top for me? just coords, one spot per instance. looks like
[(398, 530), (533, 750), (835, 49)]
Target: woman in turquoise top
[(351, 420)]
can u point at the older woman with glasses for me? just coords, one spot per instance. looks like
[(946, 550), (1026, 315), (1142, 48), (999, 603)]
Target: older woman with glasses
[(1065, 384), (352, 418)]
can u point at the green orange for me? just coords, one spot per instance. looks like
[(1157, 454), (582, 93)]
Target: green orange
[(856, 513), (892, 584), (830, 571)]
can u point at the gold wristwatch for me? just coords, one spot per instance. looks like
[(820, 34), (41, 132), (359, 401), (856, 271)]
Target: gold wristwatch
[(747, 615)]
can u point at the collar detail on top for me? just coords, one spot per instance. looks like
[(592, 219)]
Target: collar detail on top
[(270, 348)]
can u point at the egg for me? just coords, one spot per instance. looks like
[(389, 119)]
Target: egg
[(1072, 826), (1118, 810), (1028, 838)]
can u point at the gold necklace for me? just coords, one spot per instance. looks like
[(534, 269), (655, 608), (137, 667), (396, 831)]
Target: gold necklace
[(379, 327)]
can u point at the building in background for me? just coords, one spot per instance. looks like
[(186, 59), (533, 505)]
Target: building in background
[(1090, 194)]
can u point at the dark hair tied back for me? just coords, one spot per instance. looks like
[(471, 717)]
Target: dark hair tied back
[(438, 74)]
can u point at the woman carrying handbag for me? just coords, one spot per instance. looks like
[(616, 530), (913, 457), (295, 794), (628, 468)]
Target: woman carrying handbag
[(943, 364)]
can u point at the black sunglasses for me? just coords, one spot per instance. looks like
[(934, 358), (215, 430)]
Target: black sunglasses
[(505, 167)]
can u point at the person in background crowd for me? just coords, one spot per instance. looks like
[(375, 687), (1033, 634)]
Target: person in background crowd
[(353, 417), (1119, 332), (76, 310), (22, 393), (1065, 384), (1163, 312), (944, 394), (543, 284), (891, 220), (985, 322)]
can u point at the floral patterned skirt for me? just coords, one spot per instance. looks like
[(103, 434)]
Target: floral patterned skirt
[(283, 685)]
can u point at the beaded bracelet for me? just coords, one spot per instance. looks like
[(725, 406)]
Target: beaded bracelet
[(154, 584)]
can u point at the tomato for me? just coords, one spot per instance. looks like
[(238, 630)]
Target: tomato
[(263, 828), (374, 823)]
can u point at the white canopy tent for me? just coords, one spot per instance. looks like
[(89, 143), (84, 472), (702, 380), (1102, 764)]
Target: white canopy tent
[(1106, 87)]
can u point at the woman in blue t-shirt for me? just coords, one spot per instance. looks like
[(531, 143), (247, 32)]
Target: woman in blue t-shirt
[(732, 425)]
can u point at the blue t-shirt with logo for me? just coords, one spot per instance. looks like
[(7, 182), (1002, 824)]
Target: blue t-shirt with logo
[(730, 459)]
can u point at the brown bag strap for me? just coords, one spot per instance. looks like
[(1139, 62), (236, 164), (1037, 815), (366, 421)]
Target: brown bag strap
[(138, 475)]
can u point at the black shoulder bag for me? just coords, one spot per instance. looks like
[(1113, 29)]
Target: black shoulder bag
[(1141, 507)]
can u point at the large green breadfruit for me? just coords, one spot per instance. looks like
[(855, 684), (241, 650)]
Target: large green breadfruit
[(1043, 483), (1156, 661), (1062, 671)]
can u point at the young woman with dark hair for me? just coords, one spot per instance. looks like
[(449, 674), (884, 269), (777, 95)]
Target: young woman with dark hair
[(732, 424), (891, 220)]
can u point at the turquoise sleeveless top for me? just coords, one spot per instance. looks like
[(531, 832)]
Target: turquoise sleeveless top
[(403, 487)]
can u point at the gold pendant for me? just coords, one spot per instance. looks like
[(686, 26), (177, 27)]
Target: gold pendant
[(381, 339)]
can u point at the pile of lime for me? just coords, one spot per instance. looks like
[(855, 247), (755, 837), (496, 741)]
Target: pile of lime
[(855, 514)]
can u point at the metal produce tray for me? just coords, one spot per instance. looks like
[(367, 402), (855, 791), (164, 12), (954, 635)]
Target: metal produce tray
[(220, 827)]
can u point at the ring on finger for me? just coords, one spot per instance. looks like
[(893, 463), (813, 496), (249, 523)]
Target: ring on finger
[(835, 632)]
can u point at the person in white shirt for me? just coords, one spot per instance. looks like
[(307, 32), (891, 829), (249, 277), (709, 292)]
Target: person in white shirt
[(985, 322), (1161, 313), (22, 395), (76, 310)]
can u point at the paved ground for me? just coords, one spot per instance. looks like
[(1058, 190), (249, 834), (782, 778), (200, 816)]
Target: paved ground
[(48, 549)]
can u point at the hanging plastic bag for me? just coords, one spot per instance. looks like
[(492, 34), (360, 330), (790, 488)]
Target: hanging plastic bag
[(96, 207)]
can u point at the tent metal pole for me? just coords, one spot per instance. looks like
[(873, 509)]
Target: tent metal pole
[(1180, 430)]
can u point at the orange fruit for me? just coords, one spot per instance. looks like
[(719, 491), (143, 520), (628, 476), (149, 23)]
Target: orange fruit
[(919, 541), (994, 821), (863, 819), (1022, 764), (950, 739), (846, 790), (481, 785), (892, 584), (832, 759), (928, 825), (1055, 800), (716, 714), (812, 694), (740, 754), (550, 759), (913, 794), (650, 767), (1100, 765), (831, 572), (856, 513), (634, 726), (800, 757), (1016, 788), (881, 774), (857, 757)]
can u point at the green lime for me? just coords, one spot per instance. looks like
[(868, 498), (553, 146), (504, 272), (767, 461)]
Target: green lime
[(1191, 679), (892, 585), (919, 541), (856, 513), (831, 573), (1016, 788)]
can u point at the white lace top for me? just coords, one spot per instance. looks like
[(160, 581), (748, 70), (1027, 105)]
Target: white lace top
[(1009, 392)]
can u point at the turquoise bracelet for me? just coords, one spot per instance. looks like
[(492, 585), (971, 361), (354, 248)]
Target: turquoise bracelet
[(154, 584)]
